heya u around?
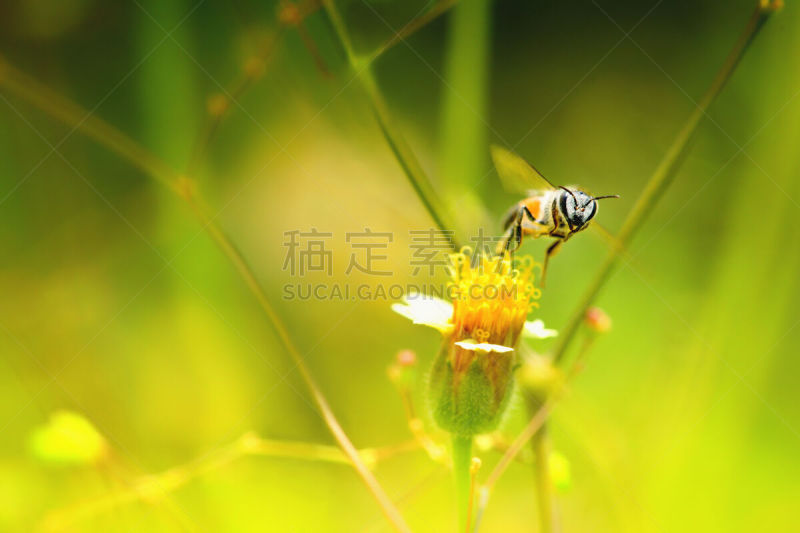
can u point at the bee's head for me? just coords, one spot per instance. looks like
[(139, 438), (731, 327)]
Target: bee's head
[(578, 207)]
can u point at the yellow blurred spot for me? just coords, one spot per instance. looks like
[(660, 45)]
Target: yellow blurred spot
[(475, 465), (395, 373), (560, 471), (771, 5), (249, 442), (254, 67), (370, 458), (484, 442), (68, 438), (538, 374), (217, 104), (289, 15)]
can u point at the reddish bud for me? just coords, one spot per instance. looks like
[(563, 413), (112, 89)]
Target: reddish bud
[(406, 358), (597, 320)]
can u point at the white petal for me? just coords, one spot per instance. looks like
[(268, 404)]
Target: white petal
[(535, 329), (484, 347), (426, 310)]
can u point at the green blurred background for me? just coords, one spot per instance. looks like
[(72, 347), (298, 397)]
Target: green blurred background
[(117, 306)]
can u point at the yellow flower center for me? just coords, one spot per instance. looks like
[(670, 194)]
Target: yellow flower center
[(492, 298)]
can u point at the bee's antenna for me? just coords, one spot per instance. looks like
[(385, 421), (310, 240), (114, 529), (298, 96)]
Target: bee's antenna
[(604, 197), (570, 193)]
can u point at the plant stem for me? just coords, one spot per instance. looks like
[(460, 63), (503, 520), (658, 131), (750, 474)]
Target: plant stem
[(405, 157), (463, 127), (80, 119), (413, 26), (536, 422), (544, 485), (462, 461), (402, 151), (474, 465), (73, 115), (155, 486), (254, 68), (665, 173), (540, 412), (389, 510)]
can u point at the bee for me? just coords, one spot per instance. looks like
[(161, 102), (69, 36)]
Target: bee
[(548, 210)]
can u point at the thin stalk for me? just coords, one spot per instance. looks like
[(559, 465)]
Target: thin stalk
[(152, 487), (402, 151), (540, 413), (474, 466), (79, 119), (388, 508), (533, 425), (413, 26), (253, 69), (290, 16), (540, 444), (462, 463), (666, 171)]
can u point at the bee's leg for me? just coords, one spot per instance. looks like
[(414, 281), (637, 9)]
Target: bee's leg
[(513, 234), (514, 226), (511, 216), (517, 235), (551, 251), (527, 212)]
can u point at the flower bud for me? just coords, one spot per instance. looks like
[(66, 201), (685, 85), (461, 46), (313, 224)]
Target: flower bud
[(472, 377), (770, 5), (402, 371), (406, 358), (289, 14), (469, 389), (540, 376), (597, 320)]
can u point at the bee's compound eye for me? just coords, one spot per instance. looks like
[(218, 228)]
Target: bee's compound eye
[(583, 198)]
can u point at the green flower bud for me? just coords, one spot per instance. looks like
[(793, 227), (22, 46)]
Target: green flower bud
[(471, 381), (470, 389)]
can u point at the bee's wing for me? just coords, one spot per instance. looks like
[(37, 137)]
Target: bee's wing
[(516, 174)]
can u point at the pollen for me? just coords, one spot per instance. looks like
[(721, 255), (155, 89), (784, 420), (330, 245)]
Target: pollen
[(492, 296), (481, 335)]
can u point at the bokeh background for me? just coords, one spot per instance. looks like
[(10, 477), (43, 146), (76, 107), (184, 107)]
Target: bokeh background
[(118, 307)]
